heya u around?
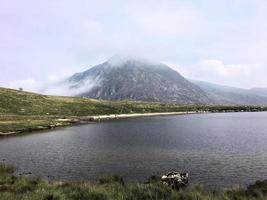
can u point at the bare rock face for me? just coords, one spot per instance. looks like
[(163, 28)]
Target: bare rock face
[(136, 79)]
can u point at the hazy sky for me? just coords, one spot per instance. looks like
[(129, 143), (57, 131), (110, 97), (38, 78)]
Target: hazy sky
[(222, 41)]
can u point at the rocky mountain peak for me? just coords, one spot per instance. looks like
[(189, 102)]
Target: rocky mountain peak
[(135, 78)]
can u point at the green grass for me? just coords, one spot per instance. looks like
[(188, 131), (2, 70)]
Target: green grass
[(24, 111), (30, 188), (14, 102)]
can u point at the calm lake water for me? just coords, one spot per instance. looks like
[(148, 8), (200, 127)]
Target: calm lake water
[(217, 150)]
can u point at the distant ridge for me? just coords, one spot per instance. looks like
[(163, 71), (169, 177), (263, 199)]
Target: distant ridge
[(233, 95)]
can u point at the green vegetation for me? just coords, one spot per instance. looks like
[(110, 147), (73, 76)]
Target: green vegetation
[(15, 102), (30, 188), (24, 111)]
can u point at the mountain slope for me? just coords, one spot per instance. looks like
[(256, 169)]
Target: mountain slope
[(232, 95), (136, 79), (259, 91)]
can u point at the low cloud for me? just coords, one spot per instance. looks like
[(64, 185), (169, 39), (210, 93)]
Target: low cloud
[(28, 84), (65, 87), (232, 74), (219, 68), (52, 86)]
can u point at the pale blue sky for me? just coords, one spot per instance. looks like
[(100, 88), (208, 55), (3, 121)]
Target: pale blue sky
[(222, 41)]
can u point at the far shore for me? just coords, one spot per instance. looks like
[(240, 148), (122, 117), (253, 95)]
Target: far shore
[(74, 120), (53, 123), (131, 115)]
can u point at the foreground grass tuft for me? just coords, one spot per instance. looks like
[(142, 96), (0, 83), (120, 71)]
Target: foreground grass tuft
[(6, 169), (113, 188)]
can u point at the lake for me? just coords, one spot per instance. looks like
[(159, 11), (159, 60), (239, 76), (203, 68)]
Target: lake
[(218, 150)]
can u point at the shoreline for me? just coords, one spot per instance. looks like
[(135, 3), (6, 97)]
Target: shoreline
[(29, 112), (65, 121), (74, 120), (28, 186), (133, 115)]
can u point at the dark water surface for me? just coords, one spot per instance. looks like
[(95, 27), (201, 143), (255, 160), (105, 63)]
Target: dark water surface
[(217, 150)]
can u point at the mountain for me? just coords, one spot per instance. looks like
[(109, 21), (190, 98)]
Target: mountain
[(259, 91), (136, 79), (232, 95)]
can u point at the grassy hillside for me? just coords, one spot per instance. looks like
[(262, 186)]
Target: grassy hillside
[(24, 111), (14, 102), (114, 188), (26, 103)]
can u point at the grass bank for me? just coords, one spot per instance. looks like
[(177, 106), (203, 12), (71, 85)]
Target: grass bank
[(25, 111), (30, 188)]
